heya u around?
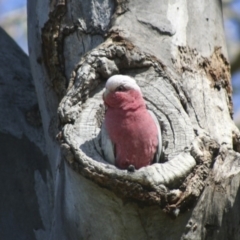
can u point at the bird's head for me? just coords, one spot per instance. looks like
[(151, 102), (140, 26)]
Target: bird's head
[(122, 91)]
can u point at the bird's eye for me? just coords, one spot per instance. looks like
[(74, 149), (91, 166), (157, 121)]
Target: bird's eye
[(121, 88)]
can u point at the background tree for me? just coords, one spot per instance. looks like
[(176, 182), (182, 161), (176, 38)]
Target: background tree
[(176, 52)]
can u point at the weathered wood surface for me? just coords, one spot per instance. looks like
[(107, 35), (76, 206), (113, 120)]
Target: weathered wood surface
[(176, 52)]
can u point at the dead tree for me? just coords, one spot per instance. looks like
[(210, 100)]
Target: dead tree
[(176, 51)]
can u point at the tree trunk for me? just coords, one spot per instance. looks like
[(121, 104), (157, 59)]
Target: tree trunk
[(176, 52), (25, 175)]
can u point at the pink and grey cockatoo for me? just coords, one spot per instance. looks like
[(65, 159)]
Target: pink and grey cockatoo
[(131, 134)]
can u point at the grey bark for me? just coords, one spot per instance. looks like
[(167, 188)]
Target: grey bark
[(176, 52), (25, 174)]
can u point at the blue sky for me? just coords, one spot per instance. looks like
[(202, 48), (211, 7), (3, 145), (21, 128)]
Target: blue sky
[(9, 5), (236, 6)]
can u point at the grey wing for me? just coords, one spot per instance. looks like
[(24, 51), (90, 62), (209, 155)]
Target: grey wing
[(107, 145), (159, 148)]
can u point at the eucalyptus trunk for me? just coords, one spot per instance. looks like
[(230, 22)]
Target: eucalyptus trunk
[(176, 52)]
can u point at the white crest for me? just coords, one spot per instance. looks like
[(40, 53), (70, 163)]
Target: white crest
[(118, 80)]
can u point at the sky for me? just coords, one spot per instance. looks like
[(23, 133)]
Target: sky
[(18, 31), (13, 17), (9, 5)]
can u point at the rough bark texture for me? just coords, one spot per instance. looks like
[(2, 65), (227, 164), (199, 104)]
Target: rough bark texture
[(176, 52)]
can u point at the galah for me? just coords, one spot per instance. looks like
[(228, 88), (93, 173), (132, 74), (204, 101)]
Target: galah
[(131, 134)]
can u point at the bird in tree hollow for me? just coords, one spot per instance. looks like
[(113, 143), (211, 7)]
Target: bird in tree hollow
[(131, 134)]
